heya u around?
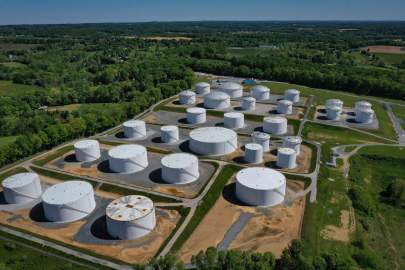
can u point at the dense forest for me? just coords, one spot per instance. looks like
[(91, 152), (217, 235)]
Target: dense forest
[(122, 64)]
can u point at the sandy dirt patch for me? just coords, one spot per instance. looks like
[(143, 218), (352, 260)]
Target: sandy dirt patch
[(341, 233), (386, 49), (269, 229)]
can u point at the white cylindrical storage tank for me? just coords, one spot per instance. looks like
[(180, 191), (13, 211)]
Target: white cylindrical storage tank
[(363, 105), (276, 125), (248, 103), (284, 107), (333, 112), (180, 168), (130, 217), (169, 134), (68, 201), (260, 92), (259, 186), (128, 158), (202, 88), (234, 120), (333, 102), (293, 142), (263, 139), (286, 158), (196, 115), (213, 141), (234, 90), (365, 116), (134, 129), (217, 100), (87, 150), (253, 153), (187, 97), (21, 188), (292, 95)]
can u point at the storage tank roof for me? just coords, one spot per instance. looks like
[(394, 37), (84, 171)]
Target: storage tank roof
[(285, 102), (275, 119), (260, 88), (233, 115), (126, 151), (253, 146), (203, 84), (366, 110), (133, 123), (250, 99), (19, 180), (333, 101), (293, 139), (230, 86), (260, 178), (212, 134), (196, 110), (187, 93), (66, 192), (179, 160), (85, 144), (286, 151), (261, 135), (363, 102), (217, 95), (292, 91), (168, 128), (129, 208), (334, 108)]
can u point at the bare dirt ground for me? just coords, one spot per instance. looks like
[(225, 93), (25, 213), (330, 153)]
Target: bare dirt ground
[(133, 251), (270, 229), (386, 49), (341, 233)]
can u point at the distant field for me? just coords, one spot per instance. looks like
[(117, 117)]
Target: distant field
[(391, 58), (386, 49), (11, 89), (14, 46)]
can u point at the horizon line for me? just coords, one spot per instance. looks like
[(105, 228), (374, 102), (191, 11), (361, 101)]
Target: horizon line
[(202, 21)]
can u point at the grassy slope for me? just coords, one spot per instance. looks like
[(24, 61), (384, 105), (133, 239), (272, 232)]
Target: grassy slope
[(399, 112), (384, 232)]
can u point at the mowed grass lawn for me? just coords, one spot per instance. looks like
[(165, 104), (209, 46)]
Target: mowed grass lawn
[(8, 88)]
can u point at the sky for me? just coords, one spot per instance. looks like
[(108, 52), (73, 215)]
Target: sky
[(92, 11)]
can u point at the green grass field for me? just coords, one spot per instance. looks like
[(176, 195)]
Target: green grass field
[(8, 88), (391, 58), (331, 136)]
